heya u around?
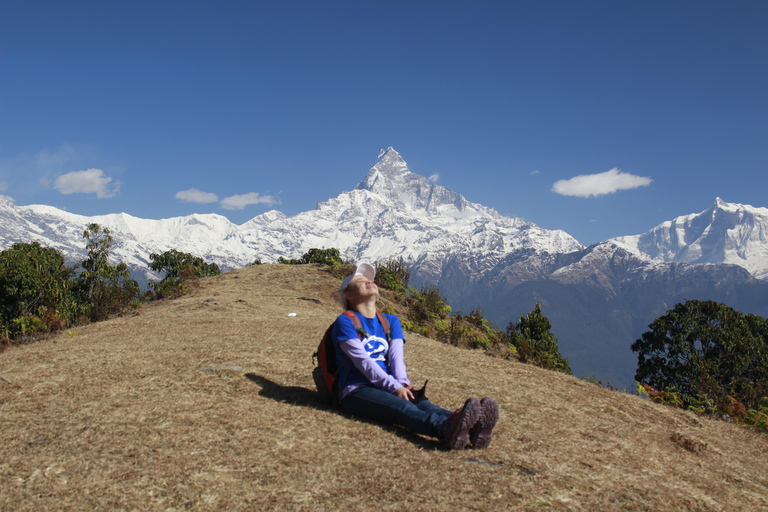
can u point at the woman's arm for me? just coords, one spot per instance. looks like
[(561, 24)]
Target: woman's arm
[(397, 362), (354, 349)]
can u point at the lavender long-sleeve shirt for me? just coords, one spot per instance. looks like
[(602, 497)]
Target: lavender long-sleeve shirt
[(374, 373)]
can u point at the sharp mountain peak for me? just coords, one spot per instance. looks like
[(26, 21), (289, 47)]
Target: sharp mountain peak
[(391, 178)]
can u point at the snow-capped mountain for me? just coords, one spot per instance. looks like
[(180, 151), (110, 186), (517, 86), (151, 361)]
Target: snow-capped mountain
[(135, 238), (730, 233), (391, 212), (598, 298)]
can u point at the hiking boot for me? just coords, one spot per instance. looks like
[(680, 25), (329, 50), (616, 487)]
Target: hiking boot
[(457, 427), (481, 433)]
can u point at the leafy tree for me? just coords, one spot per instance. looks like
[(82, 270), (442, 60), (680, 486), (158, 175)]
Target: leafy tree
[(107, 289), (177, 264), (534, 342), (476, 331), (330, 257), (179, 267), (706, 350), (323, 256), (96, 266), (34, 290), (427, 304), (393, 274)]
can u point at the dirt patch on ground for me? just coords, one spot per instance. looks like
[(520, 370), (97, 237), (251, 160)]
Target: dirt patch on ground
[(207, 403)]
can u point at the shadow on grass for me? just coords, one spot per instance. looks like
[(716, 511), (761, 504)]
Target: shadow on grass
[(296, 395)]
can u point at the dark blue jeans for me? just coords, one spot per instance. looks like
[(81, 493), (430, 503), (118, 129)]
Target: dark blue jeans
[(369, 402)]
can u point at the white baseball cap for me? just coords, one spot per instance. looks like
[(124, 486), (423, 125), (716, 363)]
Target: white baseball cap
[(363, 269)]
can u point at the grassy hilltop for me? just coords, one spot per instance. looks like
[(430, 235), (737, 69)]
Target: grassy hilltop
[(207, 402)]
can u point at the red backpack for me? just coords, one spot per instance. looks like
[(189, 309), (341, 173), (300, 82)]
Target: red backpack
[(326, 372)]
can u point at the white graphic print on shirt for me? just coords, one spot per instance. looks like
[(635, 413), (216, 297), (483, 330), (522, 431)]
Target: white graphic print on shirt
[(377, 348)]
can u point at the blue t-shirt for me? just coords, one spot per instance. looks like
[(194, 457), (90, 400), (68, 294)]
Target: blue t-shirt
[(375, 344)]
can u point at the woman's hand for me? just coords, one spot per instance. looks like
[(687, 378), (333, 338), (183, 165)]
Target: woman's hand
[(404, 393)]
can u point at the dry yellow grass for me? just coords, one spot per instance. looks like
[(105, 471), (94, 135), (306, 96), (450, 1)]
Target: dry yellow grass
[(124, 415)]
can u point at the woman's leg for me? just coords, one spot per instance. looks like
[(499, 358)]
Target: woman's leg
[(380, 405), (427, 406)]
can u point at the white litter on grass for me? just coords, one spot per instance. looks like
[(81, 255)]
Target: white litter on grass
[(291, 314)]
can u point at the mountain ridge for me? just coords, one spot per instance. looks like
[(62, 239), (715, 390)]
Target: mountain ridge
[(360, 223), (724, 233), (478, 258)]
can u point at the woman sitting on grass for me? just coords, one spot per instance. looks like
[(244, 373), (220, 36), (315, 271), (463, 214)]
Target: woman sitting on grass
[(376, 384)]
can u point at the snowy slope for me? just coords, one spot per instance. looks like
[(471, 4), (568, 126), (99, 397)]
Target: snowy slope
[(135, 238), (391, 213), (728, 233)]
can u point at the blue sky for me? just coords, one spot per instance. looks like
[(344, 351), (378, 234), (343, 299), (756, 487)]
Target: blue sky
[(657, 107)]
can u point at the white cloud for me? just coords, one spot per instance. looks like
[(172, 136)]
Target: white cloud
[(434, 178), (534, 173), (91, 181), (3, 185), (594, 185), (238, 202), (196, 196)]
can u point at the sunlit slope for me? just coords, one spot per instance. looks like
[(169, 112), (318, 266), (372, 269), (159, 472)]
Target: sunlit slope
[(207, 403)]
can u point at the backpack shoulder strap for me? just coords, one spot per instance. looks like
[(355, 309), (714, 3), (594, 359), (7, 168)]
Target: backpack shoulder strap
[(362, 333), (385, 323)]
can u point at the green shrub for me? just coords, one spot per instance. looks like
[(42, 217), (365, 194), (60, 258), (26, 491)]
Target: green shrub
[(534, 342), (177, 264), (104, 289), (427, 304), (30, 324), (331, 257), (758, 417), (728, 409), (429, 315), (668, 396), (393, 274), (180, 269), (34, 284), (474, 331)]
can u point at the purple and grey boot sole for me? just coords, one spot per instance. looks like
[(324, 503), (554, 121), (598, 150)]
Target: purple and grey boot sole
[(469, 416), (481, 435)]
